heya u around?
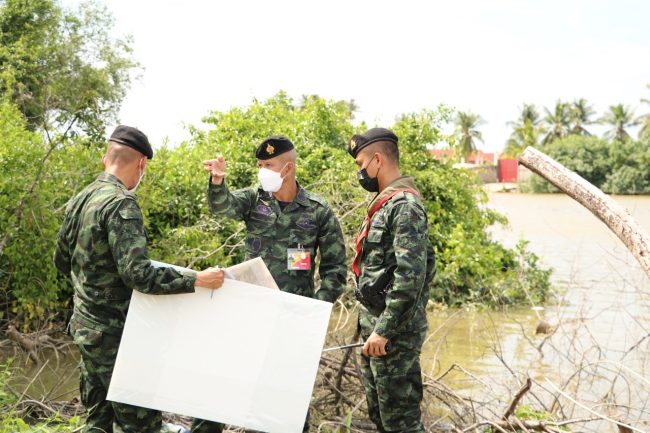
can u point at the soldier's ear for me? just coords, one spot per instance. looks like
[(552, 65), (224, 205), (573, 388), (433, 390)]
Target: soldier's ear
[(380, 159), (290, 166)]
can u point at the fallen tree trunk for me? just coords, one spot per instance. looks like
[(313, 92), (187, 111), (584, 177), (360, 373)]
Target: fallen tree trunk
[(606, 209)]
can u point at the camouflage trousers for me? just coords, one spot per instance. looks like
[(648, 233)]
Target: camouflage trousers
[(393, 385), (98, 353), (201, 426)]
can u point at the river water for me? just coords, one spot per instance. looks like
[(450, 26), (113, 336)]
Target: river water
[(596, 351)]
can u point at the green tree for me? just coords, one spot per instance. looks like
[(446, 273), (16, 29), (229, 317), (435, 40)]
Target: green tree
[(617, 167), (619, 118), (29, 283), (62, 68), (526, 131), (580, 115), (66, 74), (467, 132), (644, 120), (557, 122)]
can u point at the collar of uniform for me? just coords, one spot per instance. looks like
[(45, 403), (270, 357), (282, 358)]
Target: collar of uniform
[(301, 197), (399, 183), (110, 178)]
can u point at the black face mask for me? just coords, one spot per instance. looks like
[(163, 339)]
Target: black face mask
[(370, 184)]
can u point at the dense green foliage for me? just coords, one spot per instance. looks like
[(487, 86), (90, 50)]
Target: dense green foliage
[(28, 279), (471, 267), (62, 68), (62, 79), (616, 167)]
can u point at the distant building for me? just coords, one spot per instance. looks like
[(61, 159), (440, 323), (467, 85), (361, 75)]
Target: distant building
[(489, 165), (479, 157)]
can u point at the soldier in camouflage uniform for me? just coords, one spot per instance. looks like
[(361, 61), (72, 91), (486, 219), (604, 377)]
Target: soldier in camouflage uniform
[(102, 246), (286, 226), (393, 265)]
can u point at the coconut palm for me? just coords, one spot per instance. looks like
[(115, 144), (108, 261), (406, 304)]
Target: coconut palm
[(644, 132), (529, 114), (580, 114), (557, 122), (620, 118), (466, 129), (526, 131), (522, 137)]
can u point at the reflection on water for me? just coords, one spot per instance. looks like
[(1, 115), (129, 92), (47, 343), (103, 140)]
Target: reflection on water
[(57, 378)]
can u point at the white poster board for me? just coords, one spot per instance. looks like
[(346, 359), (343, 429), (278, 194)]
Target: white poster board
[(244, 355)]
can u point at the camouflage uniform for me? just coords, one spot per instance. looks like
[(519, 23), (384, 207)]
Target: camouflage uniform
[(307, 222), (398, 244), (102, 245)]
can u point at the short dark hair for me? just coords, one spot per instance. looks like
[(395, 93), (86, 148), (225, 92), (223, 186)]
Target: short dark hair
[(388, 149), (118, 153)]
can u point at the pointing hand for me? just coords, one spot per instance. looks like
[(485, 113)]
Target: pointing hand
[(217, 168)]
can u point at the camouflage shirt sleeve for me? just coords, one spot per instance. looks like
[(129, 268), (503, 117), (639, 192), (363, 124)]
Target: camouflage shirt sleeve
[(236, 205), (332, 268), (128, 244), (408, 224)]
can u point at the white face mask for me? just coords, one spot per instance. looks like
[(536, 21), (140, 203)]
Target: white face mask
[(132, 190), (270, 180)]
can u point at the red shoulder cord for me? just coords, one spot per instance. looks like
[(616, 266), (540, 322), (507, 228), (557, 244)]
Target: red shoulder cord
[(365, 228)]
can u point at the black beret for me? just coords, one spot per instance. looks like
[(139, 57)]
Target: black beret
[(358, 142), (273, 146), (132, 137)]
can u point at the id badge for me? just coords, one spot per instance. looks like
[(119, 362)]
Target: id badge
[(298, 259)]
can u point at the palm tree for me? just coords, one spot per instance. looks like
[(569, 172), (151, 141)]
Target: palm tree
[(526, 131), (580, 114), (644, 132), (557, 122), (466, 124), (529, 114), (619, 117), (521, 138)]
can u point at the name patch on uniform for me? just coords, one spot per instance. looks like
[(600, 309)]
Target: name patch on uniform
[(298, 259), (264, 209), (306, 223)]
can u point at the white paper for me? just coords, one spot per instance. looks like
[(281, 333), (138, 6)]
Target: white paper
[(253, 271), (246, 356)]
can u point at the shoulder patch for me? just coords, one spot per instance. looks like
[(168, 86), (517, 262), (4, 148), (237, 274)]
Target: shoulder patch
[(317, 198), (404, 196), (130, 211)]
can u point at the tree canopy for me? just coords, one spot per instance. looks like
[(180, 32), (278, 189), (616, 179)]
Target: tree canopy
[(63, 68)]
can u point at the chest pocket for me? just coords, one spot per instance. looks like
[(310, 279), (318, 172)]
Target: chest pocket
[(373, 246)]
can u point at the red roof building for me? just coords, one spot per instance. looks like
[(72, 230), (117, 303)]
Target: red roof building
[(479, 157)]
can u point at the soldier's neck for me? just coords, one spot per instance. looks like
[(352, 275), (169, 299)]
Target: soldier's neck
[(388, 177), (287, 193), (125, 175)]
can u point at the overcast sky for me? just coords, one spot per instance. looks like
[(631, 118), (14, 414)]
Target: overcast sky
[(391, 57)]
